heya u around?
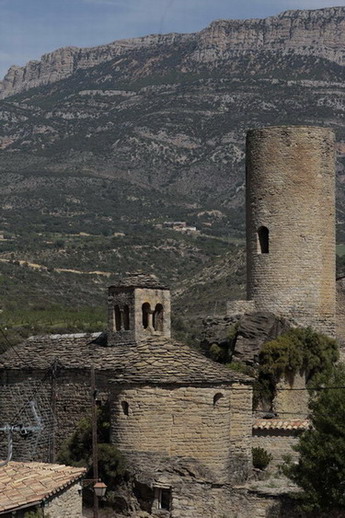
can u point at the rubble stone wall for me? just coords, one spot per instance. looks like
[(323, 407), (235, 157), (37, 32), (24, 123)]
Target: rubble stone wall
[(202, 499), (291, 400), (67, 504), (278, 443), (72, 402)]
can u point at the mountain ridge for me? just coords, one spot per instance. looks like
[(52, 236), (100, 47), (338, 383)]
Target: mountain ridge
[(289, 30)]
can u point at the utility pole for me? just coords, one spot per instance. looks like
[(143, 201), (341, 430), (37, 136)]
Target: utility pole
[(94, 439), (52, 455)]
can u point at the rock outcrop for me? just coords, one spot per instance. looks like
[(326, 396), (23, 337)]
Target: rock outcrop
[(254, 330), (243, 335)]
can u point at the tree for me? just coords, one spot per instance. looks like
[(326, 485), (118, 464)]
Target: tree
[(300, 350), (320, 471), (77, 449)]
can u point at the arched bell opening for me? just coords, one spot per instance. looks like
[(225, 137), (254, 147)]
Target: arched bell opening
[(146, 311), (158, 318), (117, 318), (126, 323)]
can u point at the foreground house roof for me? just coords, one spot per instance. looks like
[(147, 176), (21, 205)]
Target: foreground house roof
[(151, 361), (25, 484)]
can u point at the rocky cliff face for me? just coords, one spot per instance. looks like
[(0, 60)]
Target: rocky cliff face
[(63, 62), (320, 33)]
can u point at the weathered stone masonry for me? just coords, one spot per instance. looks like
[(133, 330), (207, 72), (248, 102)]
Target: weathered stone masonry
[(291, 224), (209, 424), (172, 410), (290, 208)]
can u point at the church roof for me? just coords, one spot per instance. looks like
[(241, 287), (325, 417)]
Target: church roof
[(154, 361)]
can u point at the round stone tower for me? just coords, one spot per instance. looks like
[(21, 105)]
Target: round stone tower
[(291, 224)]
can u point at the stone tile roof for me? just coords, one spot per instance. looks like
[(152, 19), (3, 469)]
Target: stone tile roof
[(281, 424), (153, 361), (23, 484), (139, 280)]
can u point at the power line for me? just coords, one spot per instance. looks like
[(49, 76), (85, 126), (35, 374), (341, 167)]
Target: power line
[(14, 349)]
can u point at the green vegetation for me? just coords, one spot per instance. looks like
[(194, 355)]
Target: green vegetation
[(77, 450), (299, 350), (320, 471), (243, 368), (38, 513), (98, 161), (222, 352), (261, 458), (17, 324)]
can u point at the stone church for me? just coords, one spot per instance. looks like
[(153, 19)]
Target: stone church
[(184, 423)]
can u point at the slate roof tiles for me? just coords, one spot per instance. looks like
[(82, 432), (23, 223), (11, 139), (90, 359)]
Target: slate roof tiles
[(152, 361)]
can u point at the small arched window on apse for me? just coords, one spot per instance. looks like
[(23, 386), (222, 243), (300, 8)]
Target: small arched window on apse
[(117, 318), (125, 407), (146, 309), (217, 397), (158, 318), (263, 240), (126, 317)]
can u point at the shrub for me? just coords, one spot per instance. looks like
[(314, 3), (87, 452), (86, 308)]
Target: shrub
[(77, 449), (299, 350), (320, 471), (261, 458)]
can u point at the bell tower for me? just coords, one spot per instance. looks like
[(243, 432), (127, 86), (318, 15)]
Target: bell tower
[(138, 308)]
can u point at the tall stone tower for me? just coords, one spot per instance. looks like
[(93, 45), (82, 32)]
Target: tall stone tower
[(138, 308), (291, 224)]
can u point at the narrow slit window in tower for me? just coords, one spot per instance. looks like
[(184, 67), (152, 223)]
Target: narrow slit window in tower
[(158, 318), (146, 309), (126, 318), (263, 240), (125, 407), (117, 313)]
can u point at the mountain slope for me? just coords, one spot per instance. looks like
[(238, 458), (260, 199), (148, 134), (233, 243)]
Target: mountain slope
[(113, 141)]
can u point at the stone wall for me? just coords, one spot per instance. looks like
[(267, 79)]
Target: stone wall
[(291, 197), (212, 425), (292, 397), (201, 499), (239, 307), (278, 443), (152, 297), (72, 402), (66, 504), (340, 329), (240, 430)]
